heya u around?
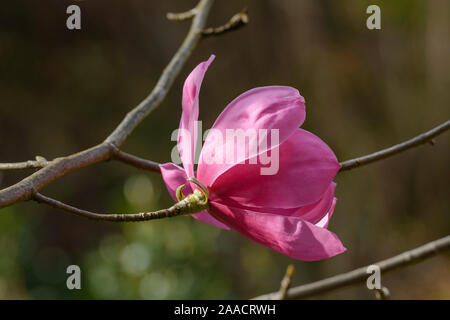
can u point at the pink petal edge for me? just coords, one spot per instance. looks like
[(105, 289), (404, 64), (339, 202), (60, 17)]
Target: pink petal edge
[(323, 223), (187, 135), (290, 236)]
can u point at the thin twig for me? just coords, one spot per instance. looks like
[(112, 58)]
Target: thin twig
[(180, 16), (60, 167), (286, 282), (40, 162), (358, 275), (136, 161), (423, 138), (173, 211), (237, 21)]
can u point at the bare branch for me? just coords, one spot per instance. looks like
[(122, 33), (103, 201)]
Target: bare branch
[(59, 167), (182, 15), (136, 161), (358, 275), (40, 162), (237, 21), (286, 282), (385, 153), (173, 211)]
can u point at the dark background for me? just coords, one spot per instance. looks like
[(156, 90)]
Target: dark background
[(62, 91)]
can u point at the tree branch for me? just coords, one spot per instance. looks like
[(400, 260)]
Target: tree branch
[(173, 211), (358, 275), (385, 153), (286, 282), (59, 167), (180, 16), (136, 161), (40, 162), (237, 21)]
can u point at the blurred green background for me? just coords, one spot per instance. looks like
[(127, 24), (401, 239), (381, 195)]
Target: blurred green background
[(62, 91)]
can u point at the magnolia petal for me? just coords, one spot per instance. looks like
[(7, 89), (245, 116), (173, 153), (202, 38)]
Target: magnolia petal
[(312, 213), (187, 134), (205, 217), (306, 169), (175, 176), (323, 223), (317, 211), (264, 108), (290, 236)]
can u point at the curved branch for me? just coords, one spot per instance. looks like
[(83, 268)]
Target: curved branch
[(57, 168), (358, 275), (423, 138), (173, 211)]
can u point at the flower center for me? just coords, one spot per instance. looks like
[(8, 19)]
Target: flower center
[(196, 201)]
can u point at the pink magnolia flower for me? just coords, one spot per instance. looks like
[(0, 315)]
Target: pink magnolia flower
[(288, 211)]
